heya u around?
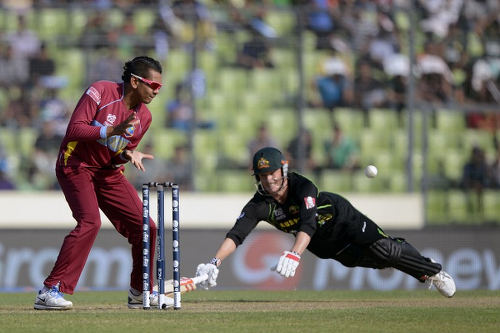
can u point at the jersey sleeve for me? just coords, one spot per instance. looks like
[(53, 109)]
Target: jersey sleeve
[(79, 127), (307, 196), (250, 216)]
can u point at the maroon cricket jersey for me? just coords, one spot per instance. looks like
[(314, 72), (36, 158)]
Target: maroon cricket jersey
[(101, 105)]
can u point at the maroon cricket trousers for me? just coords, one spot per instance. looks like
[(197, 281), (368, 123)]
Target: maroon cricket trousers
[(86, 190)]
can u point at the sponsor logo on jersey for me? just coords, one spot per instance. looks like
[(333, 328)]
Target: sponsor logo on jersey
[(94, 94), (278, 213), (310, 202), (262, 163), (110, 118), (294, 209)]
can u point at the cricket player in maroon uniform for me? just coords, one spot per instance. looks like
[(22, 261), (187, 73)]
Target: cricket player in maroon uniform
[(108, 123)]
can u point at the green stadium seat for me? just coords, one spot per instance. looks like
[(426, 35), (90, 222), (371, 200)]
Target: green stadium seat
[(234, 147), (350, 120), (479, 138), (283, 58), (165, 140), (450, 121), (457, 207), (336, 181), (232, 81), (8, 138), (454, 161), (373, 141), (491, 200), (282, 21), (115, 17), (397, 182), (366, 185), (52, 22), (26, 141), (265, 81), (235, 181), (283, 125), (384, 120), (437, 207), (178, 66), (143, 20)]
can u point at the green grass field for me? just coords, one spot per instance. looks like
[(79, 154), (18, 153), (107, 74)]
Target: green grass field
[(264, 311)]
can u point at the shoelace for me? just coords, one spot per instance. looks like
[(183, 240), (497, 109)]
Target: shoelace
[(56, 293), (435, 280)]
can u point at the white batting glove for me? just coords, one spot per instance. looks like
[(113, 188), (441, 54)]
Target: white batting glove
[(211, 271), (288, 263)]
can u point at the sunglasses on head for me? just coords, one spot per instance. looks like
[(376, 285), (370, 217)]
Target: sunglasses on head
[(153, 84)]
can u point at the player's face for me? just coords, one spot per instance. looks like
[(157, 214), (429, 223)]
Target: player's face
[(272, 181), (149, 86)]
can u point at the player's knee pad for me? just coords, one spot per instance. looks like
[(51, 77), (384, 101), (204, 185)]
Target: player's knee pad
[(403, 256), (387, 249)]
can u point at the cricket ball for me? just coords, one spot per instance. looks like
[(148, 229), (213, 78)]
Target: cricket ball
[(371, 171)]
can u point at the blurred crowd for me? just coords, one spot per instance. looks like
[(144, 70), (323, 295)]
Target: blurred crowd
[(364, 63)]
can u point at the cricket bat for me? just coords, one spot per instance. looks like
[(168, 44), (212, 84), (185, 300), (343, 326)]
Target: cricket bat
[(187, 284)]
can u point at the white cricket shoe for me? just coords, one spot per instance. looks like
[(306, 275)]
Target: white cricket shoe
[(135, 301), (444, 283), (51, 299)]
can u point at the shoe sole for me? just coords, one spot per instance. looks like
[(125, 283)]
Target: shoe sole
[(51, 308)]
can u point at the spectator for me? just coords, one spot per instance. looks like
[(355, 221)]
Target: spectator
[(255, 53), (52, 108), (186, 11), (13, 69), (19, 111), (179, 110), (263, 139), (368, 92), (481, 86), (341, 151), (334, 87), (24, 42), (41, 64), (292, 151), (179, 168), (495, 166), (475, 180), (108, 66), (5, 182), (397, 69), (320, 21), (96, 31), (435, 81), (42, 175)]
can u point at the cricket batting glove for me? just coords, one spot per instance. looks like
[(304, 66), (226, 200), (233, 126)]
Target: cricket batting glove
[(288, 263)]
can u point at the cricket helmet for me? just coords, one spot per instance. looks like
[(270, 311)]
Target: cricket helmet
[(269, 159)]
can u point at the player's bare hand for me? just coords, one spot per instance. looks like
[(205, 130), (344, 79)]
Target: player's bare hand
[(135, 157), (121, 128)]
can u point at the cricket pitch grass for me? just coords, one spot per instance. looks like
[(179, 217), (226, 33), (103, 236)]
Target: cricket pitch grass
[(263, 311)]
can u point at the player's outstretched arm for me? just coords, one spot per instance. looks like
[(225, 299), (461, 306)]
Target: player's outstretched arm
[(289, 260), (211, 269)]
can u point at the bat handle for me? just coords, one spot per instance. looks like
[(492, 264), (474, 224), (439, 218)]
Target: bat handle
[(200, 278)]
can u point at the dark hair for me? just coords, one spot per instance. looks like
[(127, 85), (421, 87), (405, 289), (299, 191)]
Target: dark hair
[(140, 66)]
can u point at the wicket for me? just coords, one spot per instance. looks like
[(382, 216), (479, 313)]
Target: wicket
[(160, 246)]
